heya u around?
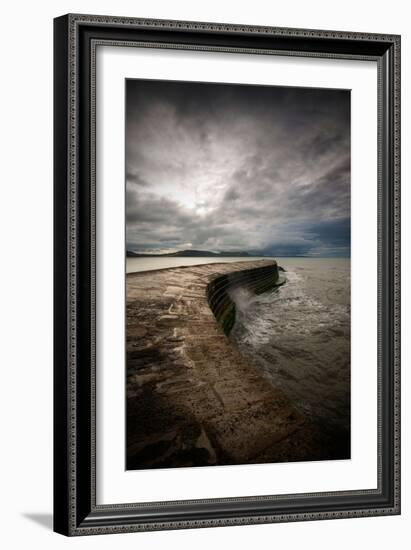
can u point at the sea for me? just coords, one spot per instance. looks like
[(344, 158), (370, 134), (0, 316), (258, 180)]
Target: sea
[(298, 336)]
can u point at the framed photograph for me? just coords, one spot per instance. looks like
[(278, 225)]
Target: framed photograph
[(227, 274)]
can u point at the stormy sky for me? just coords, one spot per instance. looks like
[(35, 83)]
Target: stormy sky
[(226, 167)]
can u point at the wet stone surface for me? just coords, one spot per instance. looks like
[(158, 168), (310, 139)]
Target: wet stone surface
[(192, 398)]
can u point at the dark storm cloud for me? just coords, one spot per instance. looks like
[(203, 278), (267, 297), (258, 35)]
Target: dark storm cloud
[(133, 177), (220, 167), (327, 238)]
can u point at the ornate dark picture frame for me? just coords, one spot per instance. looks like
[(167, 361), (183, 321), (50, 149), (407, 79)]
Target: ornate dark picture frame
[(76, 38)]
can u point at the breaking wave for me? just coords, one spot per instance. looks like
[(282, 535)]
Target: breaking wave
[(300, 336)]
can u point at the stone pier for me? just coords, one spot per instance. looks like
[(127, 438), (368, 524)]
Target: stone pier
[(192, 399)]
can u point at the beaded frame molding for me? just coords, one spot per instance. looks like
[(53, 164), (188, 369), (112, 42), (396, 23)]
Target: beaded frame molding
[(76, 38)]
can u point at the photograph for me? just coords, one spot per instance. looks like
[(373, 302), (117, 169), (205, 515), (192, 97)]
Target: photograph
[(238, 274)]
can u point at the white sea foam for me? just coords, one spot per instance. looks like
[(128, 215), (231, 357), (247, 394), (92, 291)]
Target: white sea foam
[(300, 336)]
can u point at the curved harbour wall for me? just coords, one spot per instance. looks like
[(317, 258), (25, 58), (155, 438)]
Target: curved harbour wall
[(257, 280), (192, 398)]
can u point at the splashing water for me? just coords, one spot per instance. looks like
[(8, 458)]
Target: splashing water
[(300, 336)]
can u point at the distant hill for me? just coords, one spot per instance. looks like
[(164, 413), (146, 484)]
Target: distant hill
[(191, 254)]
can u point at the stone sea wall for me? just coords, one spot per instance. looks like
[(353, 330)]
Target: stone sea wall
[(192, 398), (257, 280)]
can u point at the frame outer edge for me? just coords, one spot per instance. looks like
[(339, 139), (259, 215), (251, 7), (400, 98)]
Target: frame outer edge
[(397, 268), (66, 238), (168, 24), (61, 322)]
